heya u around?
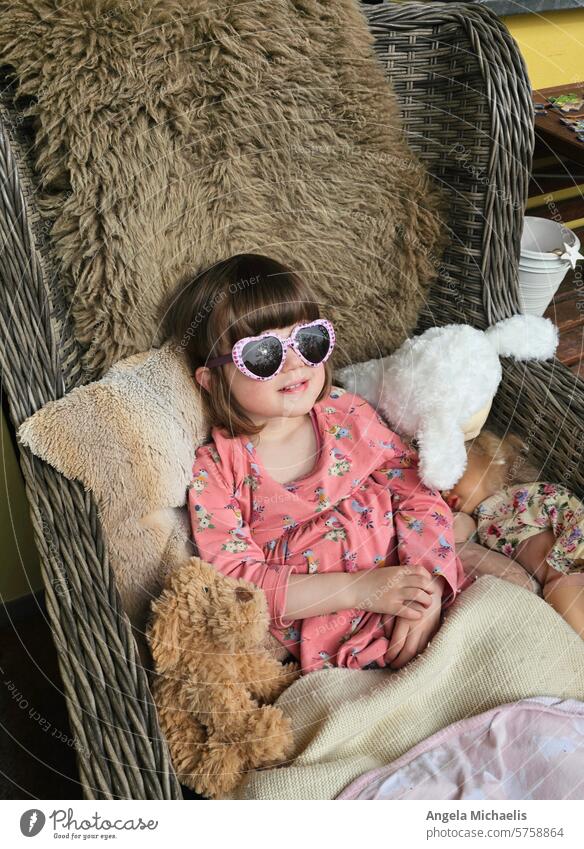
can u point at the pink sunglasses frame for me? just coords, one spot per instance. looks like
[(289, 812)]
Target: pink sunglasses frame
[(289, 342)]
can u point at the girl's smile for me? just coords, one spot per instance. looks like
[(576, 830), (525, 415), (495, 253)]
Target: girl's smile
[(295, 387)]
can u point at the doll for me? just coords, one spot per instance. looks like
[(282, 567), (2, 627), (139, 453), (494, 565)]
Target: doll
[(539, 524)]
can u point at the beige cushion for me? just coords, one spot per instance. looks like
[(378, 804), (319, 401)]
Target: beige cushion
[(130, 438)]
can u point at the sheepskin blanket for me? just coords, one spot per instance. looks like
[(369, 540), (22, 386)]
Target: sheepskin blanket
[(170, 134), (498, 644)]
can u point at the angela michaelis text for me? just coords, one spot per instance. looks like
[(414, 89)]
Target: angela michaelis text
[(450, 816)]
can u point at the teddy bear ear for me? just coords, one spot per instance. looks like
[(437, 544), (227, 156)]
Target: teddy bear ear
[(162, 634), (201, 570), (442, 453)]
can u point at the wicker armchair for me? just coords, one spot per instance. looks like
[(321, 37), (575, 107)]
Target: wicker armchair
[(467, 110)]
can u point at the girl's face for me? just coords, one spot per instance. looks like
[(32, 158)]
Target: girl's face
[(267, 399), (474, 486)]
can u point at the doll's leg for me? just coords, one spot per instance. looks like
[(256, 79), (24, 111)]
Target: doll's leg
[(565, 593), (532, 553), (478, 560)]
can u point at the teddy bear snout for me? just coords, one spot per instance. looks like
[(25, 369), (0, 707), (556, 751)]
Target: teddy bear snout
[(242, 594)]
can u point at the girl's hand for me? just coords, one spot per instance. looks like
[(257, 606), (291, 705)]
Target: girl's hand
[(393, 590), (410, 638)]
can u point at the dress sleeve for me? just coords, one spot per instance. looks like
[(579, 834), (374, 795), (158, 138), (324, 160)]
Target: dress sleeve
[(422, 519), (223, 538)]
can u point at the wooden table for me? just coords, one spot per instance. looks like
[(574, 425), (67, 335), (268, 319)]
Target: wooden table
[(549, 129)]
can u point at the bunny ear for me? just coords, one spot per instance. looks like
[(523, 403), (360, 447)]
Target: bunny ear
[(442, 453), (162, 633), (525, 337)]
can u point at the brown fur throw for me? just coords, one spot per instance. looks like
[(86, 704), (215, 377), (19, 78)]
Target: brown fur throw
[(173, 133)]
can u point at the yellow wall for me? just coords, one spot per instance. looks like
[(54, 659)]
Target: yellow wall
[(552, 45)]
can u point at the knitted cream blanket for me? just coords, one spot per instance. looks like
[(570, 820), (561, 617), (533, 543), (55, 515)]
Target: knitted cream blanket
[(499, 643)]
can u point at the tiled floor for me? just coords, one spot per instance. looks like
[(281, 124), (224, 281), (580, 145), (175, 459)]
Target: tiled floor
[(37, 759), (37, 756)]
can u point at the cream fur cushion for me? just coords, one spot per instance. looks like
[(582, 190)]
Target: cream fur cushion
[(130, 438)]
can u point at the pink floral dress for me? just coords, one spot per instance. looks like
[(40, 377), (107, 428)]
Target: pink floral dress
[(362, 506), (517, 512)]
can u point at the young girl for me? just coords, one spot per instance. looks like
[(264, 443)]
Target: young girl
[(540, 524), (303, 490)]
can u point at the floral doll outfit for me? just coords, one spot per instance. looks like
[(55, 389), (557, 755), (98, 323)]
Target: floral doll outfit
[(517, 512), (361, 507)]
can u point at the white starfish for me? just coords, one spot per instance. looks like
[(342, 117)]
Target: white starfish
[(571, 253)]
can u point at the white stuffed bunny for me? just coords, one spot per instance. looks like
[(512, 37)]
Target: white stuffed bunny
[(436, 383)]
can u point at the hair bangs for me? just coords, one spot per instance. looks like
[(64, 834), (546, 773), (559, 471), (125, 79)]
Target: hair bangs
[(268, 303)]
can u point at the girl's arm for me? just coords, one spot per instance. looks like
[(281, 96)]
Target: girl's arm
[(317, 595), (388, 590), (224, 540)]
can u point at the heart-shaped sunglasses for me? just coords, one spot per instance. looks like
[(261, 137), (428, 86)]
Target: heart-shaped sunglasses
[(262, 357)]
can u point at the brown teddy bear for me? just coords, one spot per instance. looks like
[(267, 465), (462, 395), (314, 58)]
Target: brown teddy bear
[(214, 679)]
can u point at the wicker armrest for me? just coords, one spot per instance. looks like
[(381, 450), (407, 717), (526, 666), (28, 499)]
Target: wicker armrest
[(544, 403), (120, 750)]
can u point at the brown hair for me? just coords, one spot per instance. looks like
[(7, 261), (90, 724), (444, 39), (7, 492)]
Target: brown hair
[(508, 459), (241, 296)]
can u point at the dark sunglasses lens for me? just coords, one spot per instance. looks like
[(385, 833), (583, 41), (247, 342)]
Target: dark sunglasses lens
[(314, 343), (263, 356)]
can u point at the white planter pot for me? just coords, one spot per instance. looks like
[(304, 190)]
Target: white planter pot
[(537, 288), (541, 237), (540, 270), (543, 264)]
